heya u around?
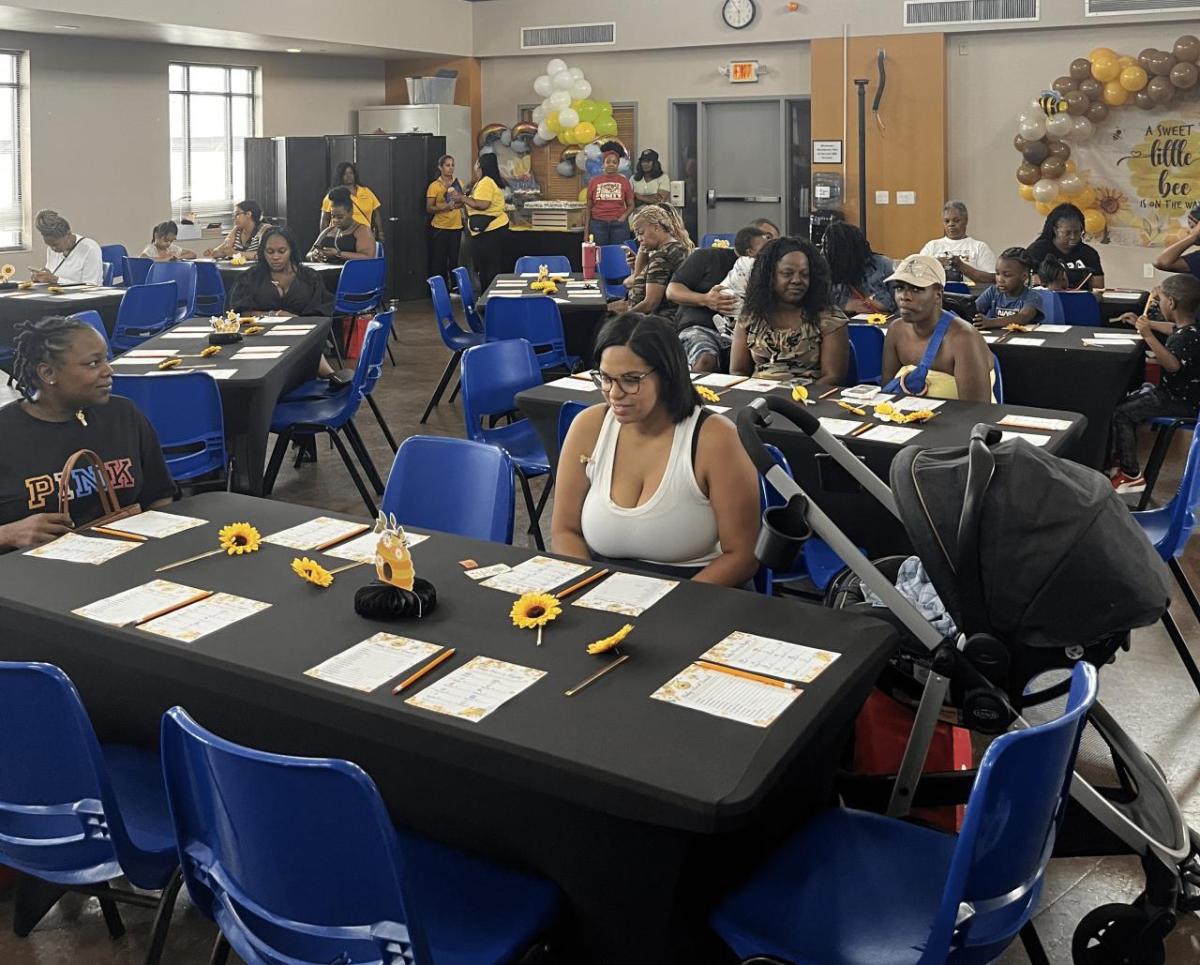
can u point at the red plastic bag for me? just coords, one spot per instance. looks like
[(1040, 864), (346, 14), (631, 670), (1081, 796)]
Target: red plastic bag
[(356, 331)]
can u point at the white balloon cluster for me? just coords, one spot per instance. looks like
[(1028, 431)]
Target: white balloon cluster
[(567, 112)]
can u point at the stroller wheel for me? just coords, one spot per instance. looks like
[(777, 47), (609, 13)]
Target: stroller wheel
[(1116, 934)]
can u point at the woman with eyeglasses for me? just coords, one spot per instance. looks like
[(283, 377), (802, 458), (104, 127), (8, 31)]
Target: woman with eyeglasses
[(1062, 237), (651, 478)]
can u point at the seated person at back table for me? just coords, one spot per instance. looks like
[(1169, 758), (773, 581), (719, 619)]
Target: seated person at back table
[(788, 328), (71, 259), (162, 245), (663, 246), (928, 350), (651, 477), (244, 238), (857, 275), (343, 239), (1010, 299), (278, 283), (1062, 237), (963, 257), (1052, 273), (1176, 257), (62, 372)]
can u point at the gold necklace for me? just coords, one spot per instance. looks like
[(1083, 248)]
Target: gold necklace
[(81, 417)]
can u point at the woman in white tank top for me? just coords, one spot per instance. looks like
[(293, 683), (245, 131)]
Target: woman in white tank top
[(651, 476)]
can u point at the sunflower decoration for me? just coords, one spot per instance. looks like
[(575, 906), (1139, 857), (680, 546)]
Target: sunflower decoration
[(237, 260), (706, 394), (210, 351), (55, 290), (24, 285), (720, 243), (312, 572), (800, 394), (239, 538), (535, 610), (876, 318), (171, 363), (886, 412), (1018, 327), (852, 408), (611, 642), (7, 271), (252, 330)]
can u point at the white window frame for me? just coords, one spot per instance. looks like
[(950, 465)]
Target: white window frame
[(19, 218)]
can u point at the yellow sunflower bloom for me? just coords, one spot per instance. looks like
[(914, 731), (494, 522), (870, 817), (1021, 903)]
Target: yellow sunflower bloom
[(799, 393), (210, 351), (877, 318), (252, 330), (239, 538), (889, 410), (312, 572), (170, 363), (707, 394), (535, 610), (603, 646)]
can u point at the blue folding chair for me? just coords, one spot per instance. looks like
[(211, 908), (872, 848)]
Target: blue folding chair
[(958, 287), (453, 337), (75, 814), (185, 410), (297, 861), (106, 274), (333, 415), (115, 255), (1169, 528), (566, 415), (92, 318), (1052, 310), (537, 320), (145, 311), (466, 292), (379, 249), (183, 273), (135, 270), (613, 269), (360, 289), (868, 350), (454, 486), (851, 377), (997, 381), (210, 289), (1080, 308), (491, 375), (707, 240), (555, 264), (861, 889)]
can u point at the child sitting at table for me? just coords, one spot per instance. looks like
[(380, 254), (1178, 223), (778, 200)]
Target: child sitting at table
[(1010, 299), (1052, 274), (1177, 395), (162, 245)]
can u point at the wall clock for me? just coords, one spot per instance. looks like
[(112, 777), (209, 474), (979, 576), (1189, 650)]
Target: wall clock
[(739, 14)]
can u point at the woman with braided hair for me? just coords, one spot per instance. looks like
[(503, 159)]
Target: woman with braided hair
[(61, 369), (856, 273)]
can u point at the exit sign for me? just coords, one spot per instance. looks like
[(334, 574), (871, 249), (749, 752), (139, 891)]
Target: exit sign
[(743, 72)]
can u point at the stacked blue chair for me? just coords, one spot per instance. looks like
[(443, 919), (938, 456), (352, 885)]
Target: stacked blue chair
[(613, 269), (1169, 529), (183, 273), (453, 486), (145, 311), (492, 374), (453, 337), (135, 270), (333, 415), (210, 289), (92, 318), (555, 264), (710, 237), (115, 255), (537, 320), (466, 292), (185, 410), (297, 861), (860, 889), (75, 814), (360, 289), (867, 341), (1080, 308)]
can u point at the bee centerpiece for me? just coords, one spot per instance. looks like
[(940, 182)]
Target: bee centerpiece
[(397, 592), (226, 329)]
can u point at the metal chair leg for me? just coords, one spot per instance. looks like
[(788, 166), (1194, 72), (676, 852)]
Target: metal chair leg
[(534, 511), (1185, 585), (220, 951), (383, 426), (276, 460), (1162, 444), (364, 457), (442, 383), (1033, 945), (33, 899), (457, 388), (372, 510), (112, 917), (162, 918), (1189, 664)]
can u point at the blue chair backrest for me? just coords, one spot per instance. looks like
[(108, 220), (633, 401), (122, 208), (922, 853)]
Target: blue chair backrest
[(1015, 809), (613, 265), (135, 270), (379, 249), (1183, 506), (851, 376), (466, 292), (183, 273), (1052, 310), (998, 381), (958, 287), (145, 311), (373, 364), (360, 287), (491, 375), (566, 415), (185, 410), (115, 255), (92, 318), (708, 239), (58, 817), (106, 276), (454, 486), (210, 289), (1079, 308), (443, 312), (556, 264), (536, 320), (868, 351), (295, 858)]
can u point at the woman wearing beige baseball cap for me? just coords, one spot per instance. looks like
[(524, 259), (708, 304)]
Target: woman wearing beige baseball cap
[(931, 351)]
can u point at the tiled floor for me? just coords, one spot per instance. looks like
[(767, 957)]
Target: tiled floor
[(1145, 689)]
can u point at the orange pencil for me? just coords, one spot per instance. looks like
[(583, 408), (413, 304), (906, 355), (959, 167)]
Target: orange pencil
[(408, 682), (586, 581), (136, 537), (720, 668)]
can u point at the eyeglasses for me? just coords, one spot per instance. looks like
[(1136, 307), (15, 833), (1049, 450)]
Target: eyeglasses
[(629, 383)]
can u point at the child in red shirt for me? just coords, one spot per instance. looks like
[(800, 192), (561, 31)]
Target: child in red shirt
[(609, 201)]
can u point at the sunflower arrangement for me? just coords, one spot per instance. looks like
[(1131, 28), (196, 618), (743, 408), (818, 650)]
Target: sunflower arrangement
[(312, 572), (720, 243), (535, 610), (239, 538), (706, 394), (876, 318), (252, 330), (889, 413), (210, 351), (7, 271), (800, 394), (1018, 327), (171, 363), (611, 642)]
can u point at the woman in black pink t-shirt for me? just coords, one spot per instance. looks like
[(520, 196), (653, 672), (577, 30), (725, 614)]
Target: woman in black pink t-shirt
[(61, 369), (1062, 237)]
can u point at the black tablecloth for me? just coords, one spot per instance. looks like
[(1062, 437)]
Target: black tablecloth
[(248, 396), (19, 306), (582, 312), (545, 241), (642, 812), (858, 514)]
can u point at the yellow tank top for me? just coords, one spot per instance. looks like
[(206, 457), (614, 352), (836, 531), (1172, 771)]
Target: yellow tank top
[(943, 385)]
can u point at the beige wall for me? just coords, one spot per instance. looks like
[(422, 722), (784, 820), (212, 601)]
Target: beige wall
[(98, 122)]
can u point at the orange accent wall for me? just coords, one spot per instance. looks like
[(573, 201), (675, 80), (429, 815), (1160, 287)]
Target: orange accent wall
[(909, 153), (468, 92)]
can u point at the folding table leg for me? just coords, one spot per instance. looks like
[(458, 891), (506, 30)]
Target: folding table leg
[(442, 383), (372, 509)]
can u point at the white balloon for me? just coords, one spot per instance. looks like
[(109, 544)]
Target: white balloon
[(576, 73), (560, 99), (1046, 191), (592, 150), (568, 117), (542, 85), (539, 114), (555, 66), (1060, 125), (519, 147), (1033, 128), (506, 137), (1082, 129), (565, 169), (544, 132), (1071, 185), (562, 80), (487, 150), (538, 140), (581, 90)]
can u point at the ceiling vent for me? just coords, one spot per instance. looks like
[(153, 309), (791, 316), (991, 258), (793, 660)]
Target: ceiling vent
[(569, 35), (927, 13), (1115, 8)]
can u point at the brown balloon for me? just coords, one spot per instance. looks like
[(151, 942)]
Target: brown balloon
[(1064, 85), (1035, 152), (1019, 142), (1080, 68), (1097, 112), (1029, 173), (1144, 58), (1161, 63), (1187, 48), (1143, 100), (1091, 88), (1054, 168), (1077, 103), (1184, 75), (1160, 90), (1059, 149)]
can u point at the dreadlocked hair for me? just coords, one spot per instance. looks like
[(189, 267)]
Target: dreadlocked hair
[(761, 301), (47, 341), (848, 252)]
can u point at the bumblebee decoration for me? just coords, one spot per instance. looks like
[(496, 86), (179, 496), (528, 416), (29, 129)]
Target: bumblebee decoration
[(1051, 102)]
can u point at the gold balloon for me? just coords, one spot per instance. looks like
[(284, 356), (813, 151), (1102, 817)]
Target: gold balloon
[(1071, 166), (1085, 199), (1025, 191), (1043, 208), (1102, 53), (1094, 221), (1114, 96), (1105, 69), (1126, 61), (1133, 78)]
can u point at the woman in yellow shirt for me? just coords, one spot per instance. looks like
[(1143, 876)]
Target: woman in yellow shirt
[(366, 207), (443, 200), (487, 222)]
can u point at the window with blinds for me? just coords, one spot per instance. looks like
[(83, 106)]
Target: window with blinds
[(12, 201), (212, 114)]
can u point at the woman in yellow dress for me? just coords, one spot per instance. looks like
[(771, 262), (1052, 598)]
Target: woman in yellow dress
[(443, 202), (365, 206)]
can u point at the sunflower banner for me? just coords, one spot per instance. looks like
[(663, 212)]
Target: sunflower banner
[(1118, 136)]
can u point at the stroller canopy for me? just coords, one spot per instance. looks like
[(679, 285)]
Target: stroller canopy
[(1060, 561)]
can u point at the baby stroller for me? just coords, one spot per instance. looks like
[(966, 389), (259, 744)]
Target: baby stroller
[(1039, 566)]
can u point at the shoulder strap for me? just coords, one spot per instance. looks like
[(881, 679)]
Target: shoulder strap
[(704, 414), (108, 500), (914, 382)]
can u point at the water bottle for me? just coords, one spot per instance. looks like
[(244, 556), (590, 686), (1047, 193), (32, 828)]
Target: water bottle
[(590, 257)]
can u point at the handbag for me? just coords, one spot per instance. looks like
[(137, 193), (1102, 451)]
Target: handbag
[(477, 224), (111, 509)]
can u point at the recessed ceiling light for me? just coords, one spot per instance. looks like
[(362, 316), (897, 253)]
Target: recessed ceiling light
[(65, 26), (295, 50)]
